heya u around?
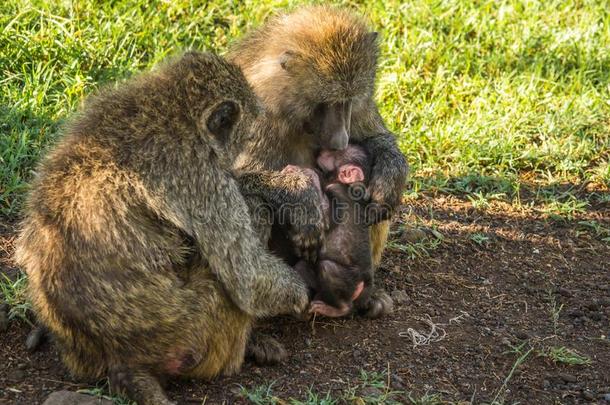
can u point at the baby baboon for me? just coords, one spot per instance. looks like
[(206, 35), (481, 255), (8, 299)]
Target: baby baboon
[(138, 192), (315, 71), (343, 271)]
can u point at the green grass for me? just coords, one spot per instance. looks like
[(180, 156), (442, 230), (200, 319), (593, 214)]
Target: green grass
[(101, 392), (566, 356), (13, 291), (372, 388), (486, 97), (480, 239)]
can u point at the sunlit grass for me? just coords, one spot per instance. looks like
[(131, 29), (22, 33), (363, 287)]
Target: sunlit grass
[(514, 91)]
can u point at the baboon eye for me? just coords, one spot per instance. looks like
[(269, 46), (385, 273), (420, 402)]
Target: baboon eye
[(286, 58), (222, 119), (319, 109)]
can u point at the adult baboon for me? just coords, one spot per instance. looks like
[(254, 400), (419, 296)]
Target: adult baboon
[(315, 71), (137, 242)]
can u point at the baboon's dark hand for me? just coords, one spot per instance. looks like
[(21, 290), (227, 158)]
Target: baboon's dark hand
[(307, 224), (386, 186)]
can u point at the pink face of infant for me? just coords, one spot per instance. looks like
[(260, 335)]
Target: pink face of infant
[(338, 161)]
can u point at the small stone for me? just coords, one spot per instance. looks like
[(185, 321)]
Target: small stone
[(593, 306), (564, 292), (74, 398), (522, 335), (568, 378), (546, 384), (356, 354), (576, 313), (21, 366), (4, 308), (371, 392), (398, 382), (400, 296), (607, 397), (588, 395), (412, 235), (3, 321), (16, 375)]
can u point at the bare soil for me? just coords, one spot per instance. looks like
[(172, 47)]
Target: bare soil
[(491, 301)]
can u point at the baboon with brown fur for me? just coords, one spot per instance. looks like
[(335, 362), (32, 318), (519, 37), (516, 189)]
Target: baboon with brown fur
[(314, 71), (136, 193)]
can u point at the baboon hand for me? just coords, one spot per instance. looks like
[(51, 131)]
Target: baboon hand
[(306, 222), (386, 186), (301, 306), (388, 177), (297, 300)]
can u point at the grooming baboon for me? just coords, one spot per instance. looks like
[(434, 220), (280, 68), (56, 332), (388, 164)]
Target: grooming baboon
[(315, 71), (137, 192), (343, 272)]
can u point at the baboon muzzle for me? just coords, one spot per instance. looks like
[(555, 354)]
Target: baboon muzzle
[(335, 125)]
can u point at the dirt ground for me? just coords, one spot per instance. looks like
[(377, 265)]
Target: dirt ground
[(502, 289)]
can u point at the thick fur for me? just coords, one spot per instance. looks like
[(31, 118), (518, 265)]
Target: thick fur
[(294, 62), (137, 242)]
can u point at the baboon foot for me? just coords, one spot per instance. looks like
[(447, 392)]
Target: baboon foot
[(265, 350), (379, 304), (139, 386), (37, 336)]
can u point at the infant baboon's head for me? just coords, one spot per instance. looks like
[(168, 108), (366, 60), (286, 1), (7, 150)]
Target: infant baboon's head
[(347, 166)]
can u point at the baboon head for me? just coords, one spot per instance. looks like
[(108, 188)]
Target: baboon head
[(313, 67), (223, 110)]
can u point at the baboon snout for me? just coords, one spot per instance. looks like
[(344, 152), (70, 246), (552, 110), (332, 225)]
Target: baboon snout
[(339, 140), (335, 125)]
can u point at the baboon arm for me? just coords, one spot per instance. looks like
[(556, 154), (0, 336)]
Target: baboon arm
[(390, 170), (274, 187), (294, 201), (257, 282), (390, 167)]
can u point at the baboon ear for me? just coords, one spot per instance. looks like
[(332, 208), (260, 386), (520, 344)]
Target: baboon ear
[(287, 60), (222, 119)]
